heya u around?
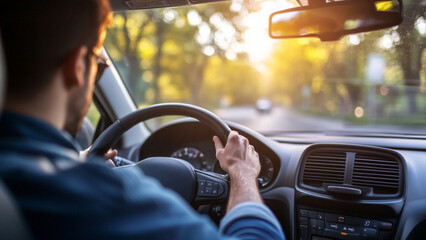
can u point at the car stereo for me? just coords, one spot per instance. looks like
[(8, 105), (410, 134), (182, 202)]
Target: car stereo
[(317, 225)]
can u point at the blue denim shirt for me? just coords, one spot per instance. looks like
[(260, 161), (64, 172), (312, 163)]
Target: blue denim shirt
[(63, 197)]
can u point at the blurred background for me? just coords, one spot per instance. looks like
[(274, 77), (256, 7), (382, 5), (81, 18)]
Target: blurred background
[(219, 56)]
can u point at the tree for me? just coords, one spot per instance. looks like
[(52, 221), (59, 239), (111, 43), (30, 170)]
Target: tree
[(294, 65), (235, 81), (137, 42), (410, 49), (202, 39), (123, 41)]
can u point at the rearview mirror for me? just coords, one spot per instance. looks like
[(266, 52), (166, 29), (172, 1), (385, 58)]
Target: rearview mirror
[(330, 21)]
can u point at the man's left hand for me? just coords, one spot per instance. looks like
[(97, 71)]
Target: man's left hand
[(112, 153)]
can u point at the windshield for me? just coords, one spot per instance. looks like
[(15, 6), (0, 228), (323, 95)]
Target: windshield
[(219, 56)]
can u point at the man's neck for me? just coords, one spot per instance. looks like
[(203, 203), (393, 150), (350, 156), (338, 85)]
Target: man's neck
[(36, 111), (48, 106)]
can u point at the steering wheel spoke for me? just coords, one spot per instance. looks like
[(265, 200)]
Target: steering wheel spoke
[(211, 188)]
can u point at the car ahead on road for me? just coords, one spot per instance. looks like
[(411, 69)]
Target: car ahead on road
[(344, 155), (263, 105)]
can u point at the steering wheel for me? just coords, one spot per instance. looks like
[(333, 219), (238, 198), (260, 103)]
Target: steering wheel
[(197, 187)]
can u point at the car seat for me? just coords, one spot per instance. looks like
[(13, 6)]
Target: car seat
[(12, 225)]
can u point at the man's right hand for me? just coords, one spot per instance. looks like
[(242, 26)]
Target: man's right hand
[(238, 157), (241, 161)]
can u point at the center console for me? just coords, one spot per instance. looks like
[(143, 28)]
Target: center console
[(348, 192), (319, 225)]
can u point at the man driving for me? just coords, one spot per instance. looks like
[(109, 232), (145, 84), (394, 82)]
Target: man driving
[(52, 51)]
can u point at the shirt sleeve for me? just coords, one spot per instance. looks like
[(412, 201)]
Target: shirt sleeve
[(246, 221), (251, 220), (159, 213), (92, 201)]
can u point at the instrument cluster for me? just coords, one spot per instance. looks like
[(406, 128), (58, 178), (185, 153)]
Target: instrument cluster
[(200, 161)]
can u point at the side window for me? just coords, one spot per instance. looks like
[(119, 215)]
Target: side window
[(93, 115), (85, 136)]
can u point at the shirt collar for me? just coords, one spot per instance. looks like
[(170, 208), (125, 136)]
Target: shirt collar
[(16, 125)]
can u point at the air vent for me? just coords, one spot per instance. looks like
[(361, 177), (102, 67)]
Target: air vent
[(324, 167), (381, 172), (369, 172)]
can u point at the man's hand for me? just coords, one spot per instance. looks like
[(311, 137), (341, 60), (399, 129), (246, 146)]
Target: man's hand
[(238, 157), (241, 161), (112, 153)]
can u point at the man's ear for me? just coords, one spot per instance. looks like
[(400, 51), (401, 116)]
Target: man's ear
[(75, 67)]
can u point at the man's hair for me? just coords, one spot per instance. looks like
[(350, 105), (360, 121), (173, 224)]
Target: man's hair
[(38, 35)]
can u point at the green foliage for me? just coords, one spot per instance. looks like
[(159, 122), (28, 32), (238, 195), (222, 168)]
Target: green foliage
[(93, 115), (163, 55), (235, 82), (331, 77), (183, 54)]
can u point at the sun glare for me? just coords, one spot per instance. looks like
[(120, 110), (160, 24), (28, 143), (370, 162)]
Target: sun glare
[(257, 42)]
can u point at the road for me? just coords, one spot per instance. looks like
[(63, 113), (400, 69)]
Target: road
[(280, 118), (285, 119)]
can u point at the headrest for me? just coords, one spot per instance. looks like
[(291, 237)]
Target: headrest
[(2, 74)]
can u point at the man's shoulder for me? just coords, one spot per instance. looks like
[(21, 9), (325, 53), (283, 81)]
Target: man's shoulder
[(72, 178), (39, 183), (41, 158)]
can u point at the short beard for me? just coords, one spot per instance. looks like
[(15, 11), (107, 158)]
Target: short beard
[(78, 105), (76, 111)]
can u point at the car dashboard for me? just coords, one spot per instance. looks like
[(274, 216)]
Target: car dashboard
[(320, 186)]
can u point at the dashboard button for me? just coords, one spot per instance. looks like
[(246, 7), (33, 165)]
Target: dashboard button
[(339, 235), (369, 233), (215, 189), (350, 229), (386, 226), (317, 224), (371, 224), (303, 213), (221, 189), (320, 216), (375, 225), (367, 223), (341, 219), (201, 187), (333, 226)]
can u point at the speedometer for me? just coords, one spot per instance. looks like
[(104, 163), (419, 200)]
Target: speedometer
[(266, 170), (194, 156)]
